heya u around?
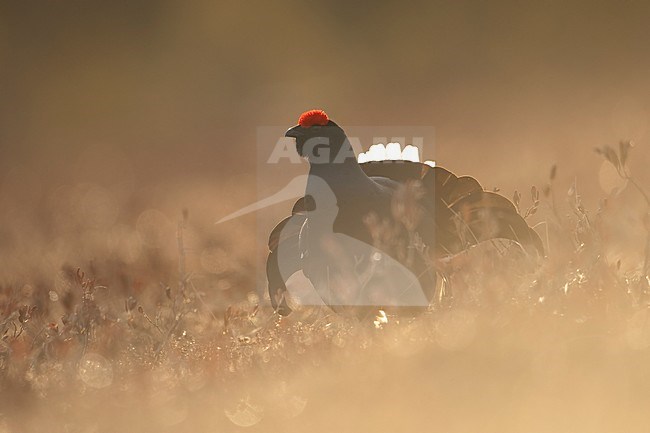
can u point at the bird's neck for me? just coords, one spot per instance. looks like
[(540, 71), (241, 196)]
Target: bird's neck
[(343, 177)]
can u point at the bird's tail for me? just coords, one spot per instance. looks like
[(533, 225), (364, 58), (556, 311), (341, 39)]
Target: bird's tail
[(466, 214)]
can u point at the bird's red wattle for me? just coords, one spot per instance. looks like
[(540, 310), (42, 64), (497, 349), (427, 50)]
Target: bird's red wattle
[(313, 117)]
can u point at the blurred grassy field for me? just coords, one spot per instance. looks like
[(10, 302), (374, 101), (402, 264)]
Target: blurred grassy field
[(169, 332), (128, 126)]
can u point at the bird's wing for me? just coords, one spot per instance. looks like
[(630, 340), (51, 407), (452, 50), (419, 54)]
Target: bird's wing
[(284, 255)]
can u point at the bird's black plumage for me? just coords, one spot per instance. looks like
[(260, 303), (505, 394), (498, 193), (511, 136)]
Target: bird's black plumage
[(370, 234)]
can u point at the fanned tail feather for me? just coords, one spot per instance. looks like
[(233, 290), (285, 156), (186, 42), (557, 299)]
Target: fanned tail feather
[(464, 213)]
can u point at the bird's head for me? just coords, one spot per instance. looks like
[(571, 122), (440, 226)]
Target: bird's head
[(319, 139)]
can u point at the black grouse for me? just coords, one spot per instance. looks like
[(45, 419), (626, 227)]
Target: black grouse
[(370, 234)]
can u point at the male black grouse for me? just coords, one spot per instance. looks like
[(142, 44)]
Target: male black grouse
[(370, 234)]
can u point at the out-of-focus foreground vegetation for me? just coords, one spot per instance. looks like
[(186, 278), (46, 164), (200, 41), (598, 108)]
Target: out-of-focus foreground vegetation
[(115, 116), (184, 341)]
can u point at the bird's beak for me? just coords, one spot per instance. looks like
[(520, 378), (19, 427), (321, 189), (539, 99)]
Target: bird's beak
[(295, 132)]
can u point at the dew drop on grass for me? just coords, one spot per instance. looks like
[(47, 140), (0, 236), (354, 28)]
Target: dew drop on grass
[(95, 371), (253, 298), (296, 405), (244, 413), (338, 340), (291, 406)]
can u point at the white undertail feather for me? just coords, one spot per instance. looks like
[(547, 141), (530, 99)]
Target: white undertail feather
[(392, 152)]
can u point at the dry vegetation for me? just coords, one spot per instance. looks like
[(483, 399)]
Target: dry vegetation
[(564, 348)]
